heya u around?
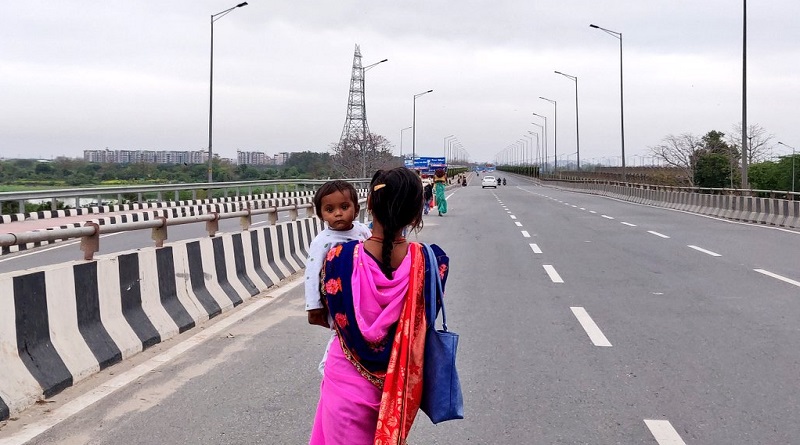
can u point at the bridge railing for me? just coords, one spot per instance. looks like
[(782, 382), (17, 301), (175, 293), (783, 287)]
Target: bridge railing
[(90, 233), (160, 191)]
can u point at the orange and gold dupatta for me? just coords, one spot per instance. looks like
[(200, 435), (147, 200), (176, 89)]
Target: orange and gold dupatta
[(402, 389)]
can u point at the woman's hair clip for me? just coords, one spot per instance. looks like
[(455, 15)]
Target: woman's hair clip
[(378, 187)]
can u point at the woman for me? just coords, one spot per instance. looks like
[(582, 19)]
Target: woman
[(439, 184), (375, 292)]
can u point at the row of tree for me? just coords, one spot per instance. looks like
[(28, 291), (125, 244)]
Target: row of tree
[(714, 160)]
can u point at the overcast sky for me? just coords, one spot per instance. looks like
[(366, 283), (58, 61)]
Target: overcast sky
[(78, 75)]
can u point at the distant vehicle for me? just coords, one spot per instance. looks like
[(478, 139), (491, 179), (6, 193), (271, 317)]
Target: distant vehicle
[(489, 181)]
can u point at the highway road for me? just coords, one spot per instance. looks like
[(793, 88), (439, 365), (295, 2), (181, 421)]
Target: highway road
[(583, 320)]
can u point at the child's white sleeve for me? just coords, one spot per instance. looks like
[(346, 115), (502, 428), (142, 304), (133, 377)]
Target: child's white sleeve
[(316, 258), (364, 231)]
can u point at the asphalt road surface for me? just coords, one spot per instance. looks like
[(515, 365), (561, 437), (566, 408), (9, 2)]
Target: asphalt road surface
[(583, 320)]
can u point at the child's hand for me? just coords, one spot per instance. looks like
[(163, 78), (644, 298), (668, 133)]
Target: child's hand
[(318, 317)]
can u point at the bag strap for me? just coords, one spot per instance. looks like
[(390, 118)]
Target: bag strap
[(435, 291)]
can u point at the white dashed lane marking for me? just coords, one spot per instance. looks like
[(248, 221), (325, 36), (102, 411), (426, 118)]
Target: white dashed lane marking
[(657, 234), (535, 248), (526, 234), (592, 211), (519, 224), (707, 252), (551, 272), (594, 332), (778, 277), (607, 217), (664, 433), (629, 224), (513, 217)]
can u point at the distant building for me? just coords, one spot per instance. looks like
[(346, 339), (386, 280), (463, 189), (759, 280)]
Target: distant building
[(253, 158), (145, 156), (281, 158)]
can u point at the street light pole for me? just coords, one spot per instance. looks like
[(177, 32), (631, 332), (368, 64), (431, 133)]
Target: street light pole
[(444, 146), (364, 127), (214, 18), (401, 141), (555, 129), (793, 177), (414, 128), (577, 126), (618, 35), (745, 148), (544, 134)]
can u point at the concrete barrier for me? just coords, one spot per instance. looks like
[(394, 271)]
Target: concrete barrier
[(61, 324)]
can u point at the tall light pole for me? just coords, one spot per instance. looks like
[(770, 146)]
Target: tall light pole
[(618, 35), (414, 128), (214, 18), (793, 180), (450, 144), (745, 148), (577, 126), (537, 139), (364, 127), (544, 134), (555, 128), (401, 140), (444, 146)]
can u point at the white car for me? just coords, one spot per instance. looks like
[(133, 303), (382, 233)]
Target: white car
[(489, 181)]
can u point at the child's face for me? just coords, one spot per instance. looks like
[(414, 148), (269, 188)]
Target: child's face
[(338, 210)]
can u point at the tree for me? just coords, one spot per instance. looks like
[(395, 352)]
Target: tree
[(679, 152), (712, 170), (760, 145), (349, 158)]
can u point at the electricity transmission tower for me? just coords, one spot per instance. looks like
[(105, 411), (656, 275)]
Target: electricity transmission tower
[(356, 130)]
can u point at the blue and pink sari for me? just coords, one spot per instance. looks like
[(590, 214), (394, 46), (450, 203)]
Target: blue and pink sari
[(372, 385)]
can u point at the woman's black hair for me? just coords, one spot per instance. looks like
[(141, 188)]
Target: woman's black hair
[(332, 187), (396, 204)]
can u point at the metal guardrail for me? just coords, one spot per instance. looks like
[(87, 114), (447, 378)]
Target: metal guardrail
[(91, 231), (701, 190), (160, 190)]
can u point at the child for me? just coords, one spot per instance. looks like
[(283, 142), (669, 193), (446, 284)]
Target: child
[(427, 195), (336, 203)]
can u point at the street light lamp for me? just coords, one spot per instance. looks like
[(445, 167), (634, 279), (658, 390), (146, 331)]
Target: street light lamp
[(793, 180), (555, 128), (364, 127), (577, 126), (414, 127), (214, 18), (401, 140), (618, 35)]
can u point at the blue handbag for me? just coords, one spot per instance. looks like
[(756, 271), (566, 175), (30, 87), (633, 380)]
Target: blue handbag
[(441, 389)]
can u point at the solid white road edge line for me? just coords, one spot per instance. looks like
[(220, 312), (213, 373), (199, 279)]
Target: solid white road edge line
[(629, 224), (551, 272), (526, 234), (535, 248), (657, 234), (700, 249), (779, 277), (595, 335), (664, 433), (77, 405)]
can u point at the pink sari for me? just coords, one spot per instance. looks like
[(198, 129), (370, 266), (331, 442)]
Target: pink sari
[(357, 407)]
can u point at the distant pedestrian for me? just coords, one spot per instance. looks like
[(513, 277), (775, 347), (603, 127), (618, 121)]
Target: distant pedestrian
[(440, 182)]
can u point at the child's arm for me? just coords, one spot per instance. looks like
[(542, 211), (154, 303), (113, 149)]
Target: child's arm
[(316, 258)]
